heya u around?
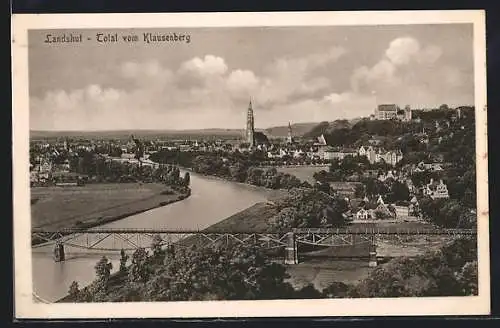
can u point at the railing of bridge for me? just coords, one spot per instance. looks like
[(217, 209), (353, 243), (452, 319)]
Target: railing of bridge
[(338, 231)]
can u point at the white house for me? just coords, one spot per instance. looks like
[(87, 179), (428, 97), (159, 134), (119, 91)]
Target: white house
[(362, 151), (364, 214), (436, 191)]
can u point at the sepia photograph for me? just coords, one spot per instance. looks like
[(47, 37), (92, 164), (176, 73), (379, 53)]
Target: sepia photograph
[(250, 164)]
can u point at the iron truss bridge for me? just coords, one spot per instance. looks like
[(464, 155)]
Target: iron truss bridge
[(132, 239)]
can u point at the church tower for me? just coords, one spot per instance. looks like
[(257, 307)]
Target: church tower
[(249, 132), (289, 138)]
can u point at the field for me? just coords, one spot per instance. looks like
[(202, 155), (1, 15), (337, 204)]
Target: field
[(304, 173), (253, 218), (93, 204)]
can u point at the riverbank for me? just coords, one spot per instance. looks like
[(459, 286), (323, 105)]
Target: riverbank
[(97, 204), (274, 192), (253, 218)]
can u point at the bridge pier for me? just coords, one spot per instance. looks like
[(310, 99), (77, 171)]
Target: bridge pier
[(372, 261), (59, 255), (291, 254)]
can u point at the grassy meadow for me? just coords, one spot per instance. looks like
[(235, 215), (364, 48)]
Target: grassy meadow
[(65, 207)]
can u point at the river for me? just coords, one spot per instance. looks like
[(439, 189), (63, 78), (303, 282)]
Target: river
[(211, 201)]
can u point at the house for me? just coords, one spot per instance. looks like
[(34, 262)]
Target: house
[(434, 167), (390, 157), (336, 153), (345, 189), (128, 156), (353, 177), (321, 140), (371, 154), (362, 151), (33, 176), (371, 173), (375, 141), (383, 177), (364, 214), (386, 112), (298, 153), (403, 210), (382, 211), (410, 185), (377, 155), (436, 191), (45, 166)]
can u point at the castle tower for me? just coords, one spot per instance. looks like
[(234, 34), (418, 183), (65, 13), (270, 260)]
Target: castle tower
[(249, 132), (407, 113), (289, 138)]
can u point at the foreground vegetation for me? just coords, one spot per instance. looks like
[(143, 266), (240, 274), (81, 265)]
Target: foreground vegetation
[(244, 273)]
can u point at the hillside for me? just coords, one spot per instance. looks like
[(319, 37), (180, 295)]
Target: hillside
[(298, 129), (328, 127)]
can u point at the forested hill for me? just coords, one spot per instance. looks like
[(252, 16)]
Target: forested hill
[(326, 128), (359, 131)]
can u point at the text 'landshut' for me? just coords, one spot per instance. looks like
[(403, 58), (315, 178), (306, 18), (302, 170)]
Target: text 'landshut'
[(147, 37)]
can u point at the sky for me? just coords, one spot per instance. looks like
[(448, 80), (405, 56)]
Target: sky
[(292, 74)]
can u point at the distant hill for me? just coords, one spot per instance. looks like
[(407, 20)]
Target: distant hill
[(328, 127), (298, 129), (123, 134)]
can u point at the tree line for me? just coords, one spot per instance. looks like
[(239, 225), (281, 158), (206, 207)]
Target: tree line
[(246, 273), (100, 169)]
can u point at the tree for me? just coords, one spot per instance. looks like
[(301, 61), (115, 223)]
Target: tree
[(254, 176), (286, 218), (158, 252), (444, 107), (308, 292), (139, 270), (123, 261), (399, 192), (307, 208), (187, 179), (468, 278), (103, 272), (74, 290), (238, 172), (359, 191), (336, 290)]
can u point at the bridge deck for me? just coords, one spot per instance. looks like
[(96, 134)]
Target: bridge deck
[(337, 231)]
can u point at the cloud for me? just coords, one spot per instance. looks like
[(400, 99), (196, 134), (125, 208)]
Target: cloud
[(290, 78), (209, 65), (402, 50), (407, 73), (336, 98), (242, 83), (430, 55), (205, 92)]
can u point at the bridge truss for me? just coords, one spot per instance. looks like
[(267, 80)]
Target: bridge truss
[(132, 239)]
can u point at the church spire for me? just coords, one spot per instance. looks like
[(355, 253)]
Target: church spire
[(289, 137), (249, 131)]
